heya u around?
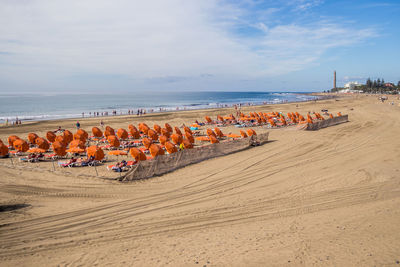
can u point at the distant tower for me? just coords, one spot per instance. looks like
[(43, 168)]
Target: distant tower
[(334, 79)]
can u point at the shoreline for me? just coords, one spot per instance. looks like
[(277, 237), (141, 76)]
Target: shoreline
[(320, 96)]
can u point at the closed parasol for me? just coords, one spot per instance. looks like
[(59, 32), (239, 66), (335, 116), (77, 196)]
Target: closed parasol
[(137, 154), (189, 137), (163, 139), (165, 132), (59, 148), (143, 127), (251, 132), (32, 138), (82, 132), (157, 128), (77, 143), (152, 135), (211, 133), (96, 152), (187, 144), (113, 141), (187, 129), (156, 150), (218, 132), (109, 131), (21, 145), (171, 148), (68, 136), (3, 150), (12, 139), (176, 138), (42, 143), (61, 139), (168, 127), (177, 130), (146, 142), (122, 134), (97, 132), (213, 139), (79, 137), (51, 136)]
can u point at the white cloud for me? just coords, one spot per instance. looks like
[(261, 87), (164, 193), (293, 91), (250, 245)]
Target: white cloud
[(51, 41)]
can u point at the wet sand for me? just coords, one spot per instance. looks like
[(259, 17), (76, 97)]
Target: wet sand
[(329, 197)]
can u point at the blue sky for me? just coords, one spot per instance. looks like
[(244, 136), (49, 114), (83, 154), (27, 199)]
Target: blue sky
[(242, 45)]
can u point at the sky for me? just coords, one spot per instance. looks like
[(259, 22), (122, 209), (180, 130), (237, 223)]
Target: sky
[(120, 46)]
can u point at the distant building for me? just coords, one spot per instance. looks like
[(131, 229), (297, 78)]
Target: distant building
[(352, 85), (351, 91), (391, 85)]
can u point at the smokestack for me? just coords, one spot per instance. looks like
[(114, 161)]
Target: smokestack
[(334, 79)]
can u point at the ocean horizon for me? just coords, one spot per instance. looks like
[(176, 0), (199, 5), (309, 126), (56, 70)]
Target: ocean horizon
[(32, 107)]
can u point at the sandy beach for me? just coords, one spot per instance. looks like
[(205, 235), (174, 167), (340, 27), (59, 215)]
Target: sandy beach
[(327, 198)]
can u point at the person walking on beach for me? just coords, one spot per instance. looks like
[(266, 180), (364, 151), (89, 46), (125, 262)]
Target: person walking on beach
[(101, 124), (78, 125)]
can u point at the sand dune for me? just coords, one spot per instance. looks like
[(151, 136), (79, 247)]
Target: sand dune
[(329, 197)]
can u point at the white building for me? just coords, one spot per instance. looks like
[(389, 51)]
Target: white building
[(352, 85)]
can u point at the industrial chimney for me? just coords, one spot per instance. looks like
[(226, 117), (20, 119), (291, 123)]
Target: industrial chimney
[(334, 79)]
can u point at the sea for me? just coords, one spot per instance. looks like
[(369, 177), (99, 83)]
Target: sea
[(50, 107)]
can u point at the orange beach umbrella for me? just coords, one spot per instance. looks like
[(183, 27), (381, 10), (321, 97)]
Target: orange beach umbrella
[(134, 131), (68, 136), (96, 152), (213, 139), (157, 128), (137, 154), (187, 144), (146, 142), (21, 145), (163, 139), (32, 138), (82, 132), (177, 130), (176, 138), (109, 131), (59, 148), (156, 150), (97, 132), (77, 143), (42, 143), (51, 136), (3, 150), (12, 139), (152, 134), (189, 137), (168, 127), (113, 141), (122, 134), (171, 148)]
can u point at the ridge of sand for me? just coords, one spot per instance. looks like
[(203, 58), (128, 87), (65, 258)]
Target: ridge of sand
[(329, 197)]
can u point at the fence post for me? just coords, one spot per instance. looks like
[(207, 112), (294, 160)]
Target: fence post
[(95, 168)]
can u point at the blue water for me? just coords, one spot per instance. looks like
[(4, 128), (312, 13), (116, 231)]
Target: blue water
[(47, 107)]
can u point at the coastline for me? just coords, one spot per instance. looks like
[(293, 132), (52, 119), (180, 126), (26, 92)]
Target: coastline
[(159, 113), (154, 110)]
